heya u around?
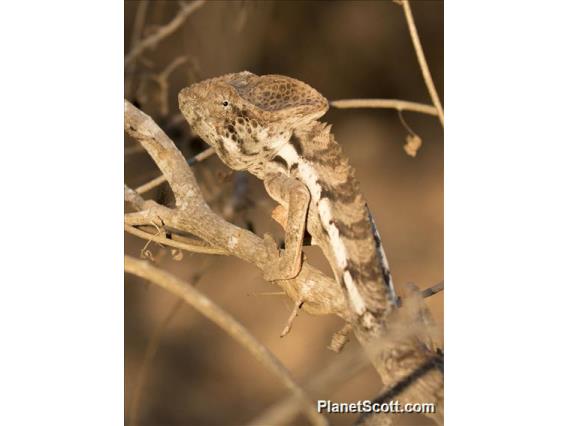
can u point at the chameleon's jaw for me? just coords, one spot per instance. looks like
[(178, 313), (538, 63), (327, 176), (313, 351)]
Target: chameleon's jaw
[(191, 109)]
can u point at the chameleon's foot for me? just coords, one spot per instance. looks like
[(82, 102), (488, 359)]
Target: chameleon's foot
[(279, 267)]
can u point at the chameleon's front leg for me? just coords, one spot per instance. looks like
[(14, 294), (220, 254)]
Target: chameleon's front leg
[(294, 195)]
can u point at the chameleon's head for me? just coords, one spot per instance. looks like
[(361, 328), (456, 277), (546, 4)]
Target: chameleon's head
[(246, 117)]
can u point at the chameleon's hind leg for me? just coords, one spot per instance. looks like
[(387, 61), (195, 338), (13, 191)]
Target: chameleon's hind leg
[(295, 196)]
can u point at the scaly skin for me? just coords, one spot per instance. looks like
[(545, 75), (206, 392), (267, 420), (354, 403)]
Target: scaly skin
[(268, 126)]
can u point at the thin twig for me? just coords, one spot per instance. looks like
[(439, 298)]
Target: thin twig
[(165, 31), (433, 290), (133, 197), (162, 80), (422, 60), (201, 156), (231, 326), (267, 293), (138, 22), (191, 247), (148, 186), (132, 150), (291, 318), (136, 34), (385, 103), (161, 179)]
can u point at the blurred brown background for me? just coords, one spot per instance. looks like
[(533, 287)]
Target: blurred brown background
[(345, 49)]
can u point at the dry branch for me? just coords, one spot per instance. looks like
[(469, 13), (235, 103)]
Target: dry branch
[(163, 32), (422, 59), (132, 150), (162, 80), (213, 312), (139, 22), (136, 34), (148, 186), (193, 247), (134, 198), (431, 291), (385, 103)]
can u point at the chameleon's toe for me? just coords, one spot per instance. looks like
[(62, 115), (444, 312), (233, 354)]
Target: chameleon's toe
[(272, 250), (271, 271), (278, 266), (280, 270)]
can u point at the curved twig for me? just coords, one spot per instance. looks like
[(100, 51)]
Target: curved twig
[(422, 60), (236, 330)]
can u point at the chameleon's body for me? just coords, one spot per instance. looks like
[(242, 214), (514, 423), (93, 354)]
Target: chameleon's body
[(268, 126)]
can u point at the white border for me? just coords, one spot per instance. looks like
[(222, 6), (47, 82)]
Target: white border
[(506, 291), (61, 298), (61, 294)]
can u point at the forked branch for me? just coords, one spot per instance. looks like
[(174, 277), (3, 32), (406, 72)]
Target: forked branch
[(163, 32)]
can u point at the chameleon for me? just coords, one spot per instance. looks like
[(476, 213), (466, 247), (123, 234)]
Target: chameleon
[(268, 125)]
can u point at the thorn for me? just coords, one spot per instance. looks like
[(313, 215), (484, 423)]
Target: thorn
[(293, 316)]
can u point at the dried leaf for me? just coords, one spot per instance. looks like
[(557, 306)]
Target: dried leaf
[(413, 144), (177, 254)]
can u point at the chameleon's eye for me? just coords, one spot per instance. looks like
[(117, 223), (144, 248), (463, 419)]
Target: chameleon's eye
[(225, 103)]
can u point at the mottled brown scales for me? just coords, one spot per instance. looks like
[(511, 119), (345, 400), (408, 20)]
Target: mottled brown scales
[(268, 126), (351, 219)]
